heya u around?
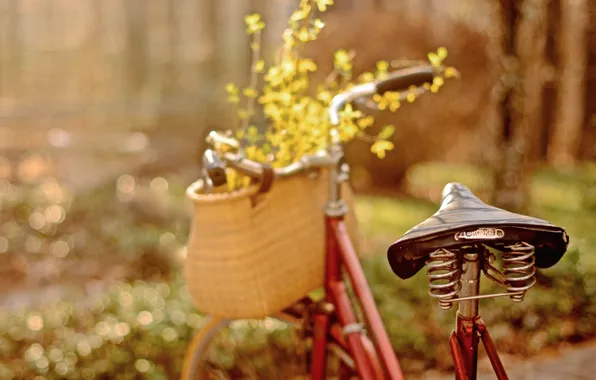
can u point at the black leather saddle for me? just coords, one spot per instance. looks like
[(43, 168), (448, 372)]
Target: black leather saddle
[(462, 220)]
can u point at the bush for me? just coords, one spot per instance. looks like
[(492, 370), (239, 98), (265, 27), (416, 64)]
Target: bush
[(133, 227), (135, 224), (131, 331)]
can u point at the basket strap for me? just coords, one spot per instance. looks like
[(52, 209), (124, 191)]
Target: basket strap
[(267, 180)]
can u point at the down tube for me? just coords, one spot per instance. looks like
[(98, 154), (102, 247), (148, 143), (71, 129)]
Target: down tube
[(336, 293), (361, 289)]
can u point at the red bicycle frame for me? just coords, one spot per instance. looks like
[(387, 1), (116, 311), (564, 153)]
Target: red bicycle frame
[(372, 360), (470, 328), (464, 348)]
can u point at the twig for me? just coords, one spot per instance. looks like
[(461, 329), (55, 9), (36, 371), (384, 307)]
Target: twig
[(254, 77)]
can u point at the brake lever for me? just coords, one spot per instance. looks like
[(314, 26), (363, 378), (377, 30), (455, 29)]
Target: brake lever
[(214, 168), (215, 138)]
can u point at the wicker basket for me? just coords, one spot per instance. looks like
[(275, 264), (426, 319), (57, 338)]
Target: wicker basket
[(250, 255)]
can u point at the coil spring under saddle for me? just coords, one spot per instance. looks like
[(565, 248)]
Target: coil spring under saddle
[(519, 271), (444, 274)]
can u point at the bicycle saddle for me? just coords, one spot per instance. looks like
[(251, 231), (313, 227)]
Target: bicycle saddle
[(463, 219)]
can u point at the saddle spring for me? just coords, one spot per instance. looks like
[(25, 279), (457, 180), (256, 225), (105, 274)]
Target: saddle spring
[(519, 271), (444, 274)]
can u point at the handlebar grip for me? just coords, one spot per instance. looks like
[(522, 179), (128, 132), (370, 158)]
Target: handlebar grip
[(215, 168), (402, 79)]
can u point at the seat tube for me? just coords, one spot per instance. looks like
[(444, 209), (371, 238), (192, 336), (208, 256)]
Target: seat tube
[(467, 313)]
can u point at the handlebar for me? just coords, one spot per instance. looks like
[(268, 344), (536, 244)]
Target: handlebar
[(237, 161), (398, 80), (403, 79)]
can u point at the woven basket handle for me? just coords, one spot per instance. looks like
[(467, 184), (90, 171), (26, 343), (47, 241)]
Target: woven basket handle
[(266, 183), (267, 179)]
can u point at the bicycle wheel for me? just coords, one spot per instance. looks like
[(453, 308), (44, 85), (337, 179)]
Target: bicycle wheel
[(272, 348)]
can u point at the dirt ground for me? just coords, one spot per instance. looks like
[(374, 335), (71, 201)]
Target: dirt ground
[(570, 362)]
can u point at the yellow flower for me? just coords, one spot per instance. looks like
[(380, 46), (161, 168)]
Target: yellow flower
[(318, 24), (306, 65), (252, 131), (295, 118), (273, 76), (323, 4), (347, 131), (382, 67), (386, 132), (380, 148), (250, 151), (232, 177), (285, 98), (254, 23), (259, 66), (231, 89), (298, 85), (366, 122), (348, 113), (272, 111), (288, 66), (342, 60), (366, 77), (394, 105), (324, 96), (304, 35), (288, 38), (301, 13), (451, 72), (250, 92), (436, 59), (390, 100)]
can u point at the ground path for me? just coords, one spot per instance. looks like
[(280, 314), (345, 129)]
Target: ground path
[(573, 362)]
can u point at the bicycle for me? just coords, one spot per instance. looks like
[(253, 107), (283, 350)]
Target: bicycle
[(459, 242), (330, 324)]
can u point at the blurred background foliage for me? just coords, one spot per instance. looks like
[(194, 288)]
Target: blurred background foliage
[(104, 105)]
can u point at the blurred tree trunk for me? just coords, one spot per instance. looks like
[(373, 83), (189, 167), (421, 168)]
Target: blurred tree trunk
[(565, 140), (10, 52), (186, 75), (550, 93), (136, 47), (588, 150), (524, 37)]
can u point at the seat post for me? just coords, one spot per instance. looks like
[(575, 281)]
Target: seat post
[(467, 313), (470, 284)]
